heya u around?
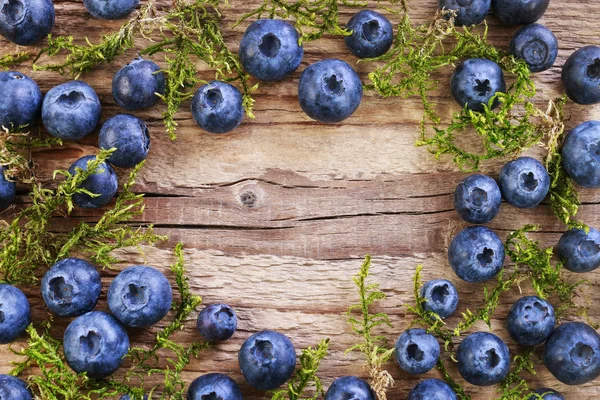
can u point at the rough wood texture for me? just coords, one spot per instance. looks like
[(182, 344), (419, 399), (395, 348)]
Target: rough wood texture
[(277, 215)]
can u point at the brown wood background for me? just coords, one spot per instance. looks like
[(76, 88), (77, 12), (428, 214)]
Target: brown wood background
[(277, 215)]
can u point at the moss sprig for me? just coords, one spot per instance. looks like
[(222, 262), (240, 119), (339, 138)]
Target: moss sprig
[(28, 245), (306, 377), (189, 31), (8, 60), (373, 346), (312, 18), (514, 386), (146, 361)]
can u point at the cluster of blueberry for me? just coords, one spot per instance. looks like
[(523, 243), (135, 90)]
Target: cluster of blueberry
[(95, 342)]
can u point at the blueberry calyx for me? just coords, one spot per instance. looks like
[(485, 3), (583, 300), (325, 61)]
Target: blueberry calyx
[(485, 257), (482, 87), (14, 11), (439, 293), (71, 99), (540, 313), (334, 85), (589, 248), (224, 314), (135, 297), (477, 197), (370, 30), (593, 70), (528, 181), (582, 354), (213, 98), (269, 45), (211, 396), (90, 343), (413, 351), (263, 352), (535, 52), (61, 290), (491, 358)]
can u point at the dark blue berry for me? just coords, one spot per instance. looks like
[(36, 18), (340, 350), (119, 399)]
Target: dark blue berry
[(214, 387), (535, 44), (475, 82), (417, 351), (581, 154), (476, 254), (140, 296), (26, 22), (530, 320), (580, 251), (129, 136), (524, 182), (483, 359), (110, 9), (432, 389), (329, 90), (267, 360), (95, 343), (572, 353), (581, 75), (103, 182), (8, 190), (519, 12), (477, 199), (14, 313), (71, 287), (71, 110), (372, 34), (217, 107), (12, 388), (269, 49), (135, 85), (468, 12), (349, 387), (217, 322), (21, 100), (441, 297), (547, 394)]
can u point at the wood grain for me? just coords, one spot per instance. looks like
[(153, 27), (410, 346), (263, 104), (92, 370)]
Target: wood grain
[(277, 215)]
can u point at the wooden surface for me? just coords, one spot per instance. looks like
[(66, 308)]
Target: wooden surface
[(277, 215)]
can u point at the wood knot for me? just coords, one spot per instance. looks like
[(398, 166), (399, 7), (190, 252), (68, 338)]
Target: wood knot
[(248, 198)]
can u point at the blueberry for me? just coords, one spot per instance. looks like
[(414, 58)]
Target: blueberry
[(269, 49), (140, 296), (135, 85), (519, 12), (26, 22), (267, 360), (103, 183), (581, 75), (475, 82), (468, 12), (95, 343), (129, 135), (349, 387), (372, 34), (572, 353), (14, 313), (524, 182), (110, 9), (581, 154), (432, 389), (217, 322), (476, 254), (214, 387), (417, 351), (71, 287), (217, 107), (8, 190), (580, 251), (535, 44), (547, 394), (483, 359), (12, 388), (329, 90), (530, 320), (477, 199), (441, 296), (21, 100), (71, 110)]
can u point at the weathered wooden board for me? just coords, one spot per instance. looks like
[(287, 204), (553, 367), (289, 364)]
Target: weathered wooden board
[(277, 215)]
